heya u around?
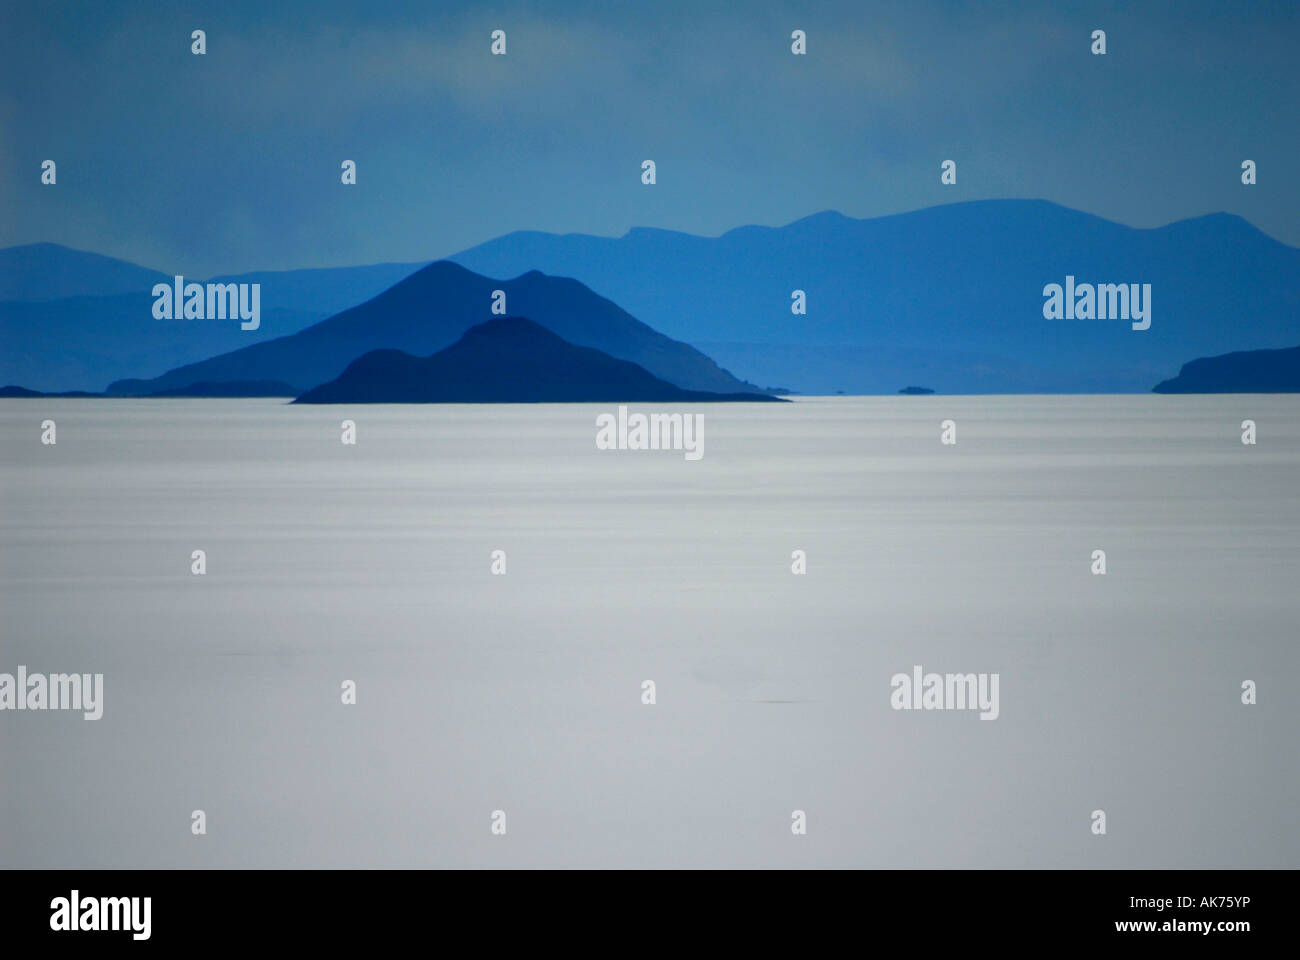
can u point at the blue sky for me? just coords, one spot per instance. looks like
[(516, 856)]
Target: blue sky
[(230, 161)]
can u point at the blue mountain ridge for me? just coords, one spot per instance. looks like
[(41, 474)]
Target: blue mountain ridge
[(949, 296)]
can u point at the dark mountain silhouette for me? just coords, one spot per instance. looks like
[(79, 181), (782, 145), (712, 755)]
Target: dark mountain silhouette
[(56, 335), (506, 360), (1248, 371), (430, 310), (950, 294), (916, 391)]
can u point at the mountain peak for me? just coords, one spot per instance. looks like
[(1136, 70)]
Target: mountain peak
[(823, 217), (443, 268), (509, 328), (503, 360)]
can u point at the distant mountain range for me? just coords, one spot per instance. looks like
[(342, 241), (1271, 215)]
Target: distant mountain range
[(505, 360), (42, 272), (949, 296), (77, 321), (429, 311), (1248, 371)]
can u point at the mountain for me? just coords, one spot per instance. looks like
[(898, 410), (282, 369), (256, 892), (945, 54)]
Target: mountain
[(950, 296), (505, 360), (49, 271), (77, 320), (1249, 371), (429, 311)]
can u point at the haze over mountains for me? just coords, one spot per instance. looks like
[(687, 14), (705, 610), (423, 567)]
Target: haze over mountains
[(948, 296), (42, 272), (38, 272)]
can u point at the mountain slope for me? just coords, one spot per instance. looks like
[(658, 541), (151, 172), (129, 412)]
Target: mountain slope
[(506, 360), (1248, 371), (50, 271), (84, 342), (949, 296), (325, 291), (430, 310)]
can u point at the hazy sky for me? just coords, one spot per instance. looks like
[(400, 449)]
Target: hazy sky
[(230, 161)]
